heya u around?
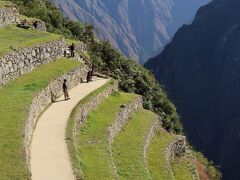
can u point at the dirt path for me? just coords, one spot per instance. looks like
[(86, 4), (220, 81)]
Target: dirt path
[(49, 154)]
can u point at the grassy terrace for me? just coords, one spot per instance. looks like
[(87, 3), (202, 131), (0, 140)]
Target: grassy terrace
[(15, 99), (128, 146), (182, 168), (13, 37), (92, 146), (30, 19), (156, 157), (71, 125), (6, 4)]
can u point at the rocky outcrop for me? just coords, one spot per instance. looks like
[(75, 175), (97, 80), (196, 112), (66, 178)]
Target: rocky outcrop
[(176, 148), (19, 62), (41, 26), (8, 14), (43, 99), (32, 23), (123, 116)]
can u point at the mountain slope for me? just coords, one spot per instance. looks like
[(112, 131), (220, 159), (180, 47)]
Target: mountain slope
[(201, 71), (139, 28)]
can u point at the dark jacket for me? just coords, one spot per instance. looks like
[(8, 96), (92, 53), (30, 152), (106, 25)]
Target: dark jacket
[(72, 47), (65, 86)]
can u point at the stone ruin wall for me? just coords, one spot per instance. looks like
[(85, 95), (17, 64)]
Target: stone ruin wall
[(9, 15), (22, 61), (19, 62)]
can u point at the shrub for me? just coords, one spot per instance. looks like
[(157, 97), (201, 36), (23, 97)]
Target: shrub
[(134, 78)]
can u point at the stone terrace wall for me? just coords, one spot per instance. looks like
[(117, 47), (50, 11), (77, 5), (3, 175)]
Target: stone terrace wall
[(123, 116), (43, 99), (26, 23), (9, 14), (82, 111), (120, 121), (17, 63), (41, 26)]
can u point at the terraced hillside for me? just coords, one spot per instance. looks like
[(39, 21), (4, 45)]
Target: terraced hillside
[(137, 148), (100, 133)]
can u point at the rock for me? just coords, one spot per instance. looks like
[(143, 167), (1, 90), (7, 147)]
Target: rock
[(9, 15)]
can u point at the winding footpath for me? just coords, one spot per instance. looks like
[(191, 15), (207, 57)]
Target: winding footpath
[(49, 154)]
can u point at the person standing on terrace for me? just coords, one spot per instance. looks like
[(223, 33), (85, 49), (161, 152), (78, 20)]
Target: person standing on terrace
[(72, 49), (65, 90)]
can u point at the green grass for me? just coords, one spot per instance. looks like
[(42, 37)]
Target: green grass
[(128, 146), (71, 125), (6, 4), (76, 42), (182, 168), (156, 157), (17, 38), (23, 17), (15, 99), (92, 146)]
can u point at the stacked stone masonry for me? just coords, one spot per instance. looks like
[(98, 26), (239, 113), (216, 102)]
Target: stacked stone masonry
[(121, 119), (123, 116), (83, 110), (9, 15), (44, 98), (177, 148), (156, 125), (34, 24), (19, 62)]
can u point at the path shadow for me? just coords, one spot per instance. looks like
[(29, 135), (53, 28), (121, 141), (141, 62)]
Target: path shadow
[(96, 78), (60, 100)]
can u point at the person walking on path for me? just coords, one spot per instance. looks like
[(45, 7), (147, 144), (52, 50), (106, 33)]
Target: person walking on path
[(65, 90), (72, 49)]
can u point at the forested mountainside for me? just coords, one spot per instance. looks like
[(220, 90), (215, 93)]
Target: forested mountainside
[(139, 28), (200, 69)]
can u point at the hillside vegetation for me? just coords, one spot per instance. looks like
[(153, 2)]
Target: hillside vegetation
[(55, 21)]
